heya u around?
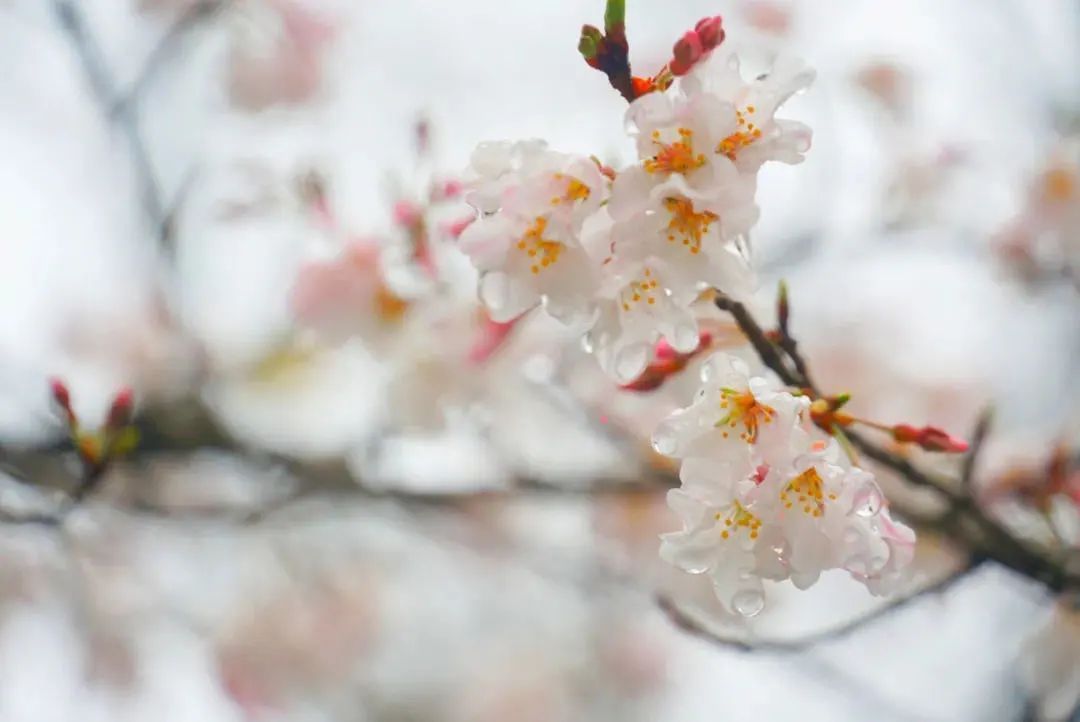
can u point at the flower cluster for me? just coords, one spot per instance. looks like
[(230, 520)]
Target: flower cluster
[(628, 256), (761, 498)]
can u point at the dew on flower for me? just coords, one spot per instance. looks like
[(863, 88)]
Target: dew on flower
[(748, 602), (665, 440), (868, 500)]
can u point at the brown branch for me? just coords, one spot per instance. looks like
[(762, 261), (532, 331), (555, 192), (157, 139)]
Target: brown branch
[(191, 18), (688, 623), (978, 439)]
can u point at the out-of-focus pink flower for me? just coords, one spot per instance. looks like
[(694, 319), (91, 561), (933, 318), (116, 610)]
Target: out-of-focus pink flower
[(768, 16), (1049, 664), (1037, 485), (1043, 241), (406, 213), (347, 293), (887, 81), (290, 70)]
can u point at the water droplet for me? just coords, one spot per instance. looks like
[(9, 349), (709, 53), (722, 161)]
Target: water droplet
[(665, 440), (748, 602), (693, 565), (867, 502), (630, 362)]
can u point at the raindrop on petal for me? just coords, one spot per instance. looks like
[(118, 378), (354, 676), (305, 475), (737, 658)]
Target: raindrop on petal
[(868, 501), (665, 440), (748, 602)]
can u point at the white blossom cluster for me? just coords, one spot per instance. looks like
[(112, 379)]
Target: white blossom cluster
[(625, 255)]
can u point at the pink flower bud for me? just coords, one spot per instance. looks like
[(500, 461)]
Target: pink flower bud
[(60, 393), (121, 410), (710, 31), (62, 397), (686, 52), (930, 438)]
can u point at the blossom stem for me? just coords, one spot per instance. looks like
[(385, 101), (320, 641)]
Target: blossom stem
[(845, 444)]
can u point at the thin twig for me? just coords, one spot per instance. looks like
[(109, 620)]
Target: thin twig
[(89, 54), (190, 19), (689, 623), (978, 438)]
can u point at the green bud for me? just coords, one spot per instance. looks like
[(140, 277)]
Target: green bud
[(589, 44)]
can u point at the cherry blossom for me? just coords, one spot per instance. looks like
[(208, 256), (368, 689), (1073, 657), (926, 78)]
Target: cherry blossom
[(639, 311), (695, 240), (347, 294), (720, 537), (789, 519), (676, 137), (757, 135), (735, 418), (526, 243)]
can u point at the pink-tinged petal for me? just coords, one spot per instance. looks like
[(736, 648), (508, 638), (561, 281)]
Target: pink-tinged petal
[(487, 241), (489, 339)]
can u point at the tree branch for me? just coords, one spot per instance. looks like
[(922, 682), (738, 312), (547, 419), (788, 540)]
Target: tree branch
[(191, 18), (688, 623)]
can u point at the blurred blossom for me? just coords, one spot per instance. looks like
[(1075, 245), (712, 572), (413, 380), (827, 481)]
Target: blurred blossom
[(1051, 663), (277, 56)]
